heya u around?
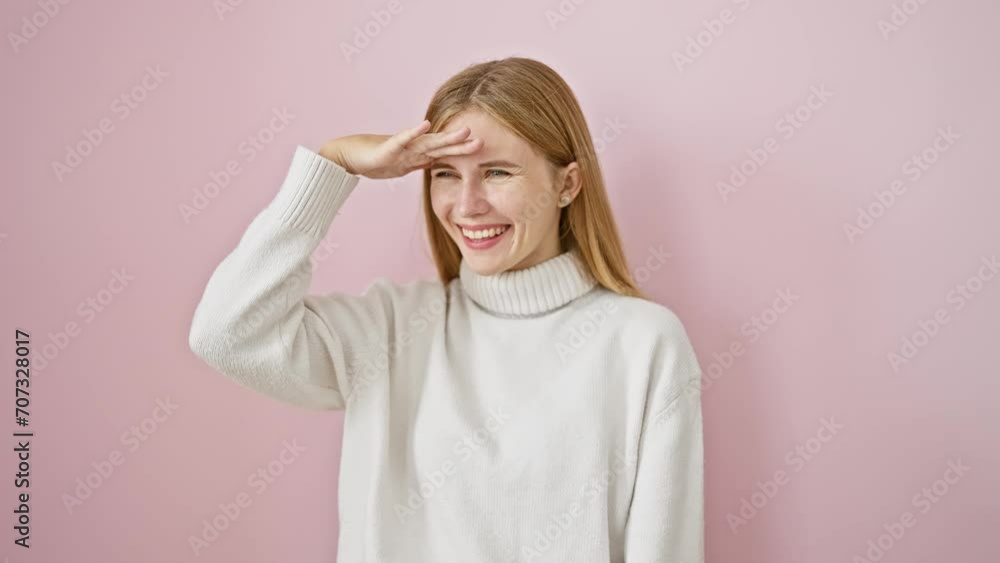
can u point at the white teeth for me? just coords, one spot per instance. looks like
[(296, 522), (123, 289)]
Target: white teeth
[(486, 233)]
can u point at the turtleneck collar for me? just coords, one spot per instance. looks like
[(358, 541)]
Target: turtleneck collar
[(532, 291)]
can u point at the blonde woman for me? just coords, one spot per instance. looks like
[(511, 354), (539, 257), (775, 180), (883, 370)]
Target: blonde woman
[(530, 404)]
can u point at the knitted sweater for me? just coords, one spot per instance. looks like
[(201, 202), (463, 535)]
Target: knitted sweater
[(531, 415)]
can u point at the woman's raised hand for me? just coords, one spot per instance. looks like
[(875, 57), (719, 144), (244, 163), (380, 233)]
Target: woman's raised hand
[(390, 156)]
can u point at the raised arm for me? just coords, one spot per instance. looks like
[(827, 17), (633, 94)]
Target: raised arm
[(255, 321)]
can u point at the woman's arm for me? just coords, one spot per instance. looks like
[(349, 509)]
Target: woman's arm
[(666, 518), (255, 321)]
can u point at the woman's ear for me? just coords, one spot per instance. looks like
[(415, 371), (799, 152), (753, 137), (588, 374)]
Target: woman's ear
[(570, 181)]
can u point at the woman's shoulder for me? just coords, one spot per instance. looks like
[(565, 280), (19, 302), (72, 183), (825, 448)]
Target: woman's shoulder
[(403, 297), (641, 315), (657, 339), (416, 289)]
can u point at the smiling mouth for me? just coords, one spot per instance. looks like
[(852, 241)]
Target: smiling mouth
[(484, 233)]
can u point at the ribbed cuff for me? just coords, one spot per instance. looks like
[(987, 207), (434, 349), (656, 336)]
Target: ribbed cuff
[(313, 191)]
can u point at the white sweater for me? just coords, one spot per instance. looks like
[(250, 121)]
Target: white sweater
[(526, 416)]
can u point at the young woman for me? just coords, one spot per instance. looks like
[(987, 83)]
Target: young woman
[(529, 405)]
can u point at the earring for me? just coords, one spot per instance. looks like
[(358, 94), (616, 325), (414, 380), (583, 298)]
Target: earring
[(563, 201)]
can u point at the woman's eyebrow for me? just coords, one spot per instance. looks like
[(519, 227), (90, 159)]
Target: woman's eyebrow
[(487, 164), (500, 163)]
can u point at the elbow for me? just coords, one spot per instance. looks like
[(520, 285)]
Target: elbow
[(198, 335), (200, 345), (206, 342), (211, 344), (197, 342)]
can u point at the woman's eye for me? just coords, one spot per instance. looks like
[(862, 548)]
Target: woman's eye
[(500, 173)]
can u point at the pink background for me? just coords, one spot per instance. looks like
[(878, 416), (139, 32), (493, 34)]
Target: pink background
[(681, 132)]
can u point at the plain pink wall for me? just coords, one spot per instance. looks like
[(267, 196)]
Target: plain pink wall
[(680, 126)]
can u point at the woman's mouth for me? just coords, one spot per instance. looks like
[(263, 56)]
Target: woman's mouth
[(481, 237)]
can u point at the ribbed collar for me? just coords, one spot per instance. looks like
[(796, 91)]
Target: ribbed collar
[(532, 291)]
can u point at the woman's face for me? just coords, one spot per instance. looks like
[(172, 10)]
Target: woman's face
[(504, 186)]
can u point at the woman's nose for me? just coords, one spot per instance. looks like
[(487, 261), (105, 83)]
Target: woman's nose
[(472, 199)]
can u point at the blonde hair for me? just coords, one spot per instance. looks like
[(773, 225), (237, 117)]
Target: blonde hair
[(534, 102)]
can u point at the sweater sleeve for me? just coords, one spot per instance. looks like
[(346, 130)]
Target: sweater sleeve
[(256, 323), (666, 517)]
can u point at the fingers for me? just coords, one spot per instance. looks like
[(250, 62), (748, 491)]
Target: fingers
[(404, 139), (435, 145), (399, 140), (432, 141), (465, 147)]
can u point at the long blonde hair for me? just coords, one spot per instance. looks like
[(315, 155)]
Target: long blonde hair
[(534, 102)]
